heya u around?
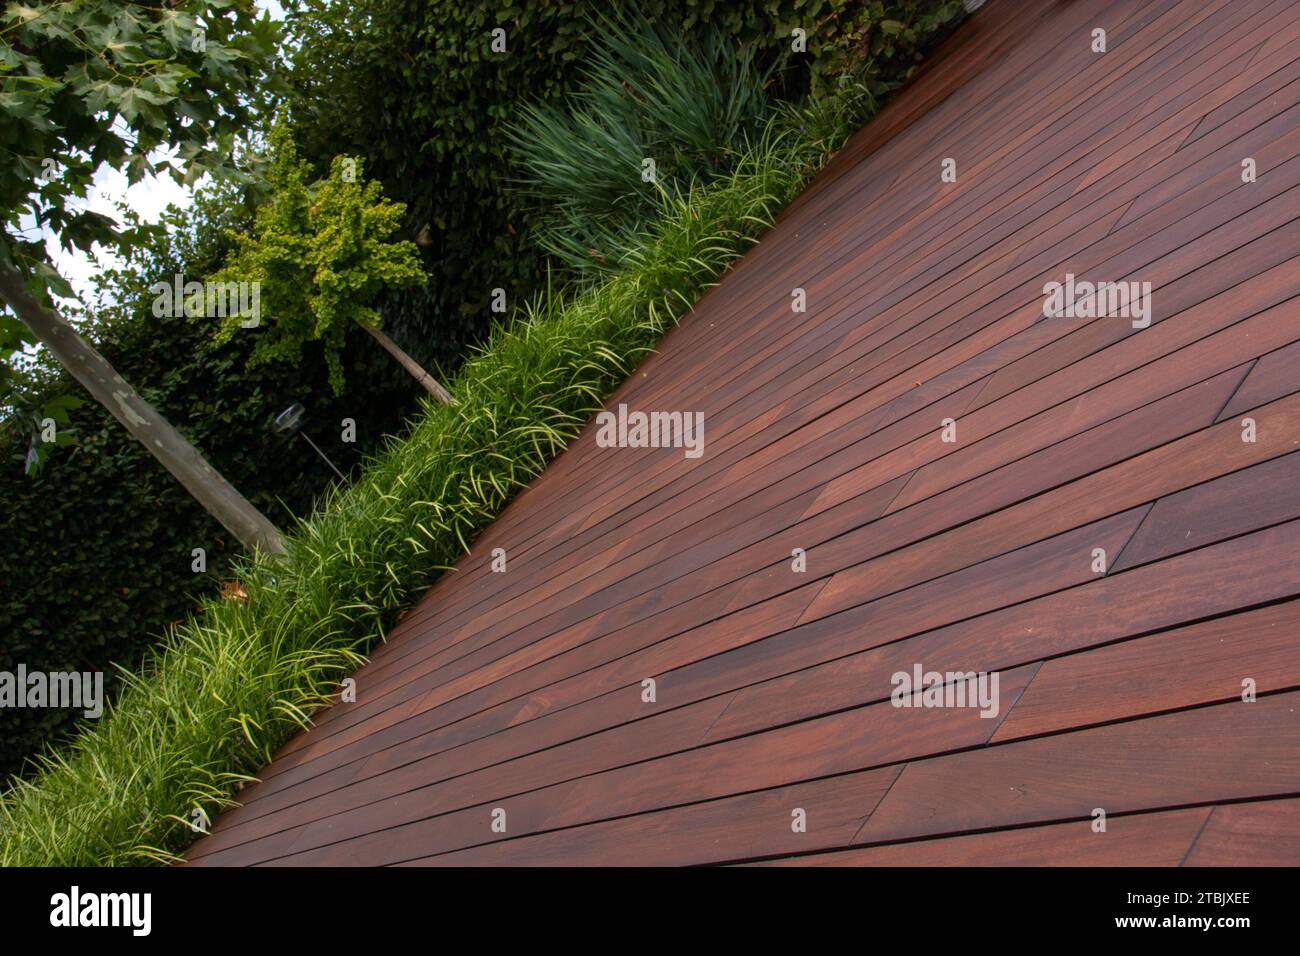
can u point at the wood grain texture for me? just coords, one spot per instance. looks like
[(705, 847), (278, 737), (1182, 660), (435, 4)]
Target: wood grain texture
[(1146, 839)]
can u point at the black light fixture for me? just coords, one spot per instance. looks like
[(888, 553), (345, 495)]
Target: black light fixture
[(289, 422)]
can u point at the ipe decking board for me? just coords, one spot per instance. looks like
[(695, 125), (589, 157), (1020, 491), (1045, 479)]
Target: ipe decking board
[(1113, 528)]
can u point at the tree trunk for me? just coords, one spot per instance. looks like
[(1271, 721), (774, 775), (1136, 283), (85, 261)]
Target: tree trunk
[(411, 365), (141, 419)]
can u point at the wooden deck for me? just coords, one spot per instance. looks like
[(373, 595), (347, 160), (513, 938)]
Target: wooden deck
[(1120, 676)]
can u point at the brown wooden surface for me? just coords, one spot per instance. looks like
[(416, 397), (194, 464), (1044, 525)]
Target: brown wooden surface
[(1121, 685)]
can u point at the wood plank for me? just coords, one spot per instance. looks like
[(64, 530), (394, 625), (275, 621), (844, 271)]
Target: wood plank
[(1140, 839), (1226, 752), (1250, 834), (827, 663), (1185, 667), (835, 744), (1242, 501), (732, 828)]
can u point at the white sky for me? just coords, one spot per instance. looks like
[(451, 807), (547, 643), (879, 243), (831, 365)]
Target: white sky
[(149, 197)]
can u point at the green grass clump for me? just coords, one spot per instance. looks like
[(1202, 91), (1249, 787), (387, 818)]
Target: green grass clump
[(690, 104), (234, 682)]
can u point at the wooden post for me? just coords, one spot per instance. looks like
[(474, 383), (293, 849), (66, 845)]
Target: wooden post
[(411, 365)]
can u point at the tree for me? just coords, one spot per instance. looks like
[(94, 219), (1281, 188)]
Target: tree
[(319, 255), (90, 83)]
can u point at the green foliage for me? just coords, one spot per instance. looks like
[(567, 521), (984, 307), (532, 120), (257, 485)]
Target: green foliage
[(689, 105), (49, 427), (26, 414), (320, 253), (95, 552), (95, 82), (878, 41), (98, 81)]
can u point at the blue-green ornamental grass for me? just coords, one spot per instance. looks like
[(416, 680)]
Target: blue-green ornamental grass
[(689, 103), (229, 686)]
